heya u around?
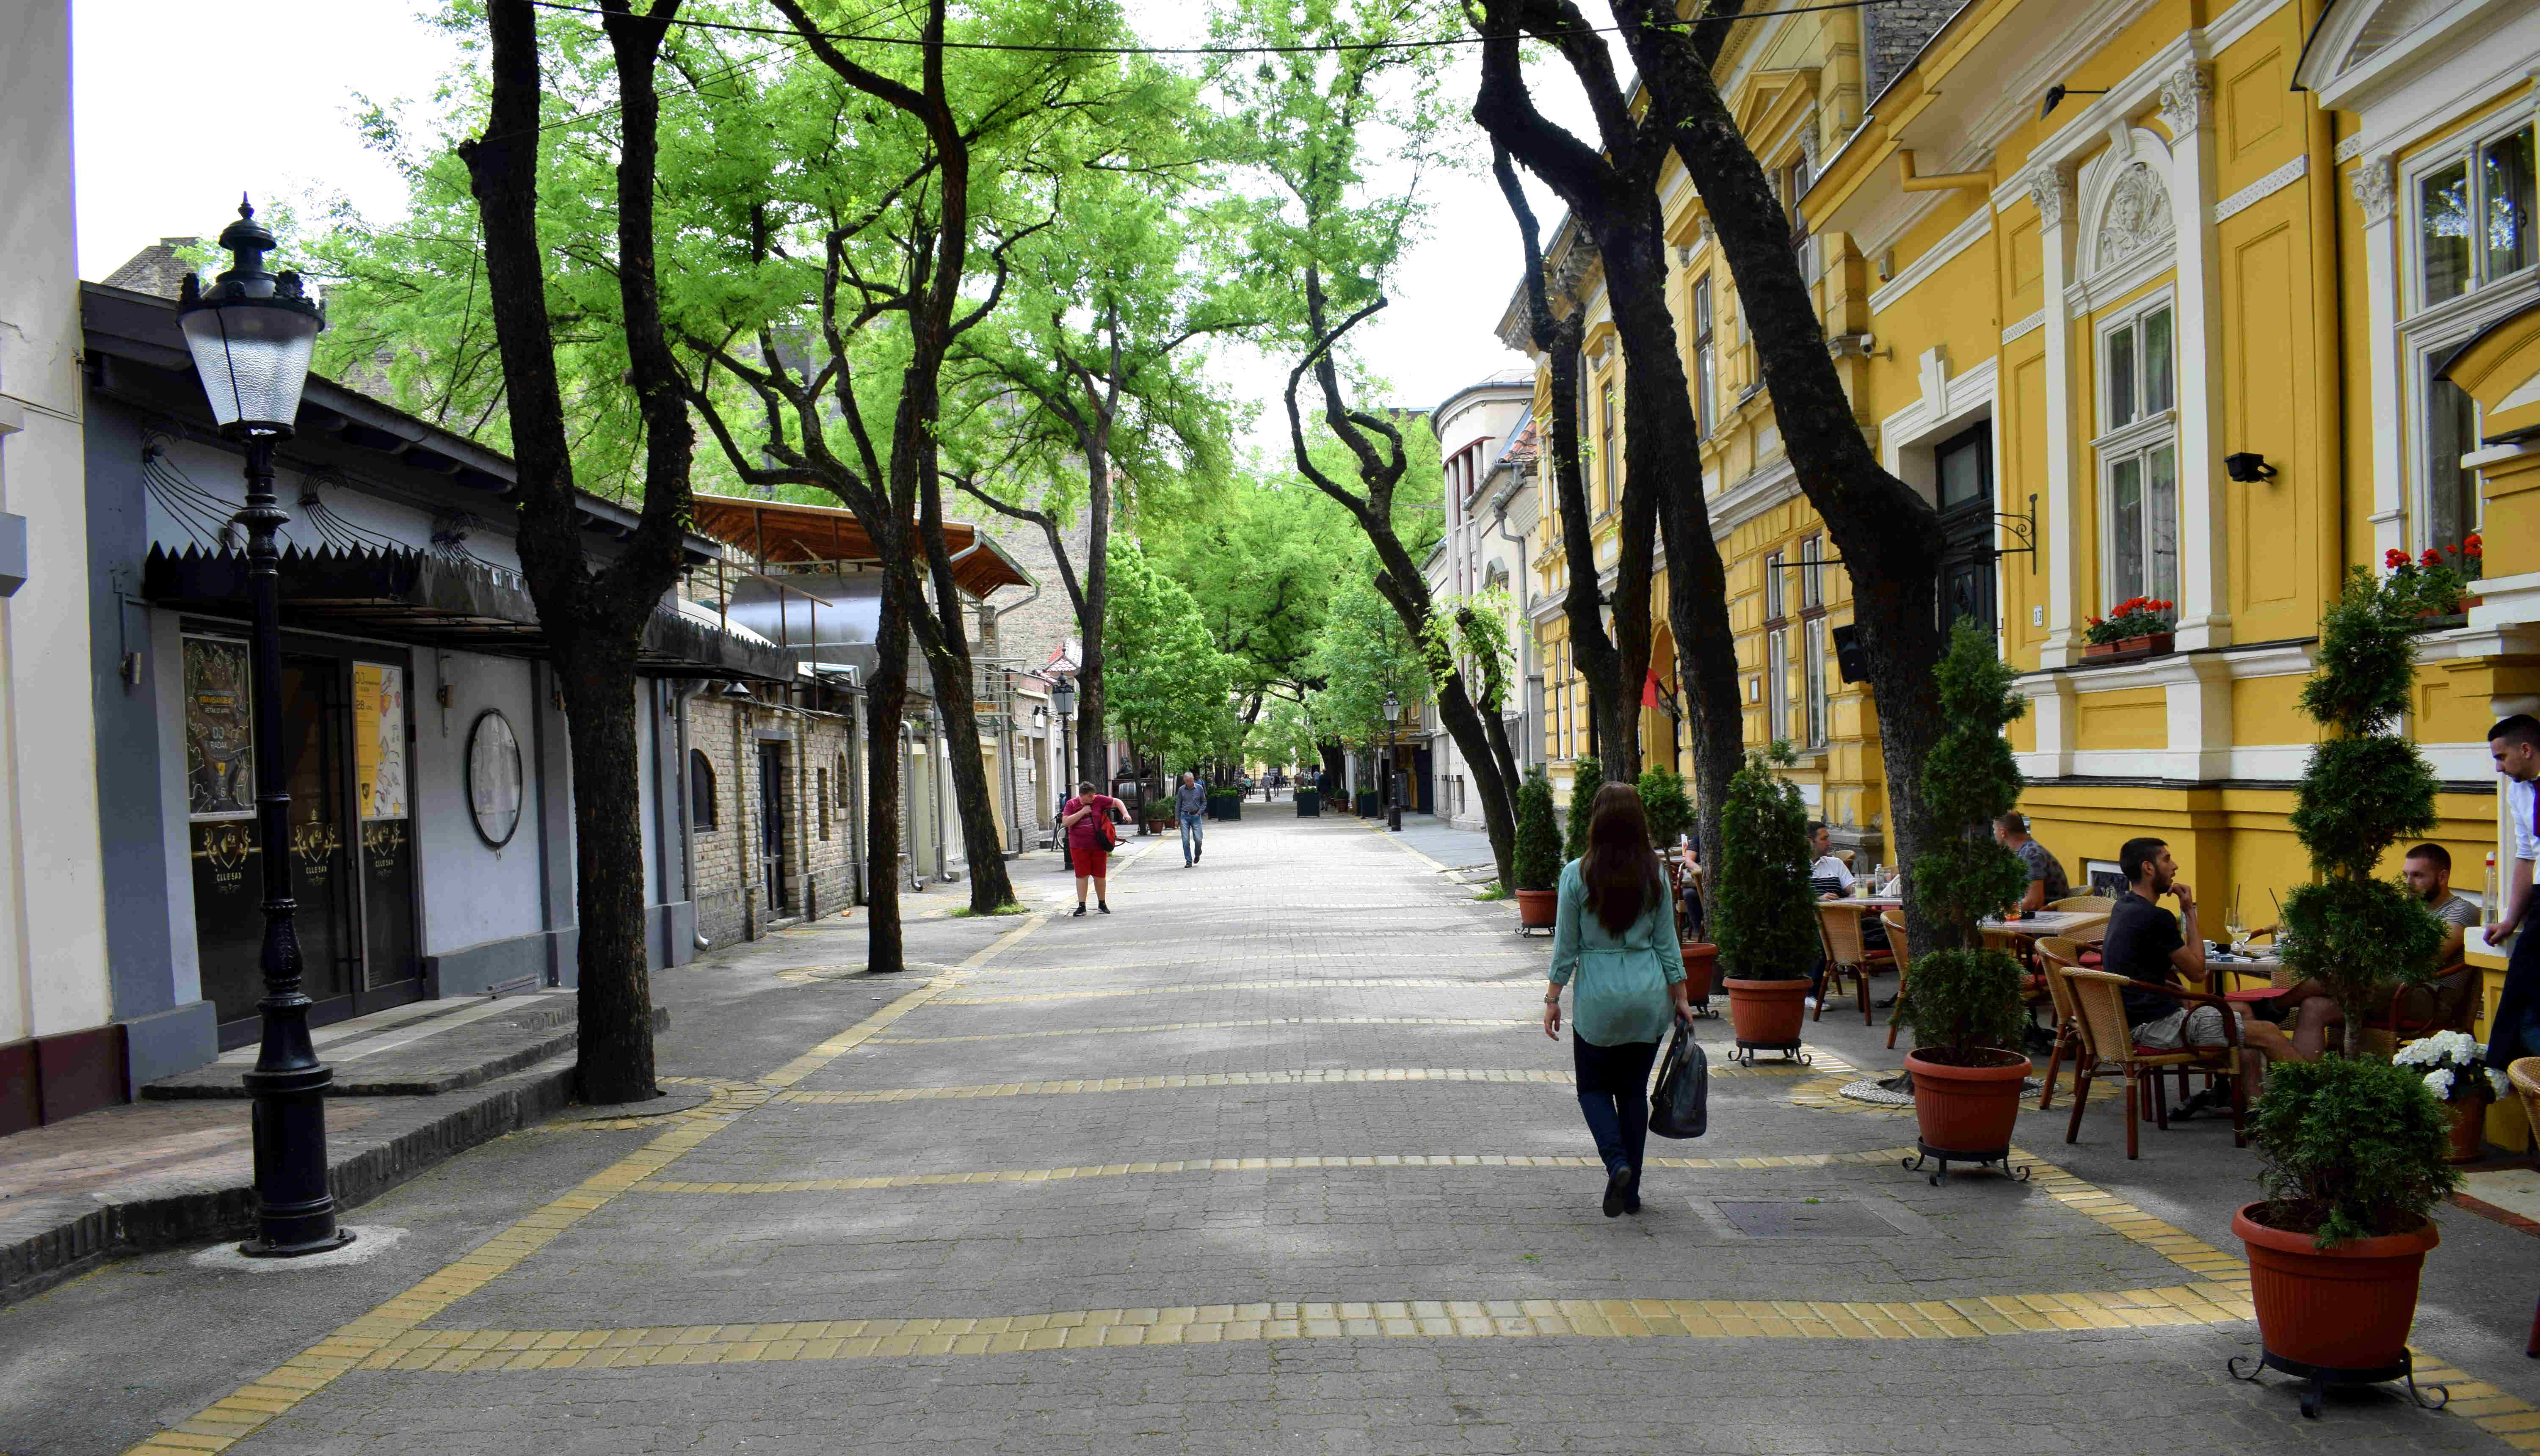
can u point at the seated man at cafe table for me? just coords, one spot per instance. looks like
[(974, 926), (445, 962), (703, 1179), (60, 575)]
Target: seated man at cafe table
[(2046, 882), (1832, 879), (2148, 944), (2427, 869)]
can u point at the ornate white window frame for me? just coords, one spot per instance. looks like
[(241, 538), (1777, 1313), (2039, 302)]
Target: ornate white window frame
[(2136, 438), (2129, 218)]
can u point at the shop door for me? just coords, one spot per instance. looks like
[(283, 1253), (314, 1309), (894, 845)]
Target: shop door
[(345, 968), (1964, 466), (772, 826)]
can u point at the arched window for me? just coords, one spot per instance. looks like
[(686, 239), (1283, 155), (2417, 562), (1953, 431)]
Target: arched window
[(702, 790)]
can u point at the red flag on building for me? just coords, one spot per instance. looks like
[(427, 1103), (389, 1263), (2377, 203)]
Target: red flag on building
[(1650, 690)]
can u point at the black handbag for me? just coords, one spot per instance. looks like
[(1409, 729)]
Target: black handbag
[(1680, 1104)]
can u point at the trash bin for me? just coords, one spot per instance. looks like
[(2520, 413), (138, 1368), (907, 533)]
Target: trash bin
[(1309, 804)]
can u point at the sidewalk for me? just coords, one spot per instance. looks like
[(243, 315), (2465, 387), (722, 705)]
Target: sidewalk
[(1464, 855)]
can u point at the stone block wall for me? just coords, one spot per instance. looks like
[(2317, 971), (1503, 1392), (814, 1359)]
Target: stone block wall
[(821, 797)]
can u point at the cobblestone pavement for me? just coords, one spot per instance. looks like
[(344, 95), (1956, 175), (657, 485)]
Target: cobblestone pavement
[(1270, 1160)]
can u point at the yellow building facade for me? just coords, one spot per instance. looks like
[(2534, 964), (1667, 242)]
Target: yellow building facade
[(2200, 301)]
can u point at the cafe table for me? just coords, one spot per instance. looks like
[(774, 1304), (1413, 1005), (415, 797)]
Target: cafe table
[(2046, 923)]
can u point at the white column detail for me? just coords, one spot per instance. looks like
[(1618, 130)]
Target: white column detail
[(2069, 522), (2379, 198), (2203, 555)]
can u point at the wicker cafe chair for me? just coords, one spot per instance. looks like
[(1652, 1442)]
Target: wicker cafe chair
[(2101, 904), (2057, 954), (1894, 920), (2100, 1014), (1839, 927)]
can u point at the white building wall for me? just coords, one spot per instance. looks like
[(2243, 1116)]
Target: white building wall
[(53, 912)]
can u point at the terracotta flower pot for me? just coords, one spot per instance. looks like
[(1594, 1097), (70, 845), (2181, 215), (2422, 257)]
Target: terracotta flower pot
[(1968, 1109), (2150, 643), (1767, 1013), (2100, 650), (1537, 909), (2469, 1126), (1700, 967), (2347, 1308)]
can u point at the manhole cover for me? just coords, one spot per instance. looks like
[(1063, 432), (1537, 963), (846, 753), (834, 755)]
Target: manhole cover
[(1806, 1220)]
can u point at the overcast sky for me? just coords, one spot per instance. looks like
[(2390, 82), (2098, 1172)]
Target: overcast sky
[(158, 156)]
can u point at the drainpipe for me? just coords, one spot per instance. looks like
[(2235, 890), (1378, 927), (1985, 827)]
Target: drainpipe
[(744, 767), (679, 696)]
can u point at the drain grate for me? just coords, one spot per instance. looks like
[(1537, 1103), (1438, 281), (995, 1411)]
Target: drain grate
[(1801, 1220)]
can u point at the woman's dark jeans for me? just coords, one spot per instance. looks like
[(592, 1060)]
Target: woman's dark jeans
[(1614, 1094)]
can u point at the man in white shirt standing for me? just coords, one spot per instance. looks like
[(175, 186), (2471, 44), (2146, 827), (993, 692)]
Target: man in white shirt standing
[(2515, 744)]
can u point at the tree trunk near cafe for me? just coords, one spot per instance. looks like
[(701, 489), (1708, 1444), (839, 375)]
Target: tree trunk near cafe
[(593, 620), (885, 708), (1886, 535)]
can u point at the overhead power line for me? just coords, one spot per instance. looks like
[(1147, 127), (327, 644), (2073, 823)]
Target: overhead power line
[(1434, 42)]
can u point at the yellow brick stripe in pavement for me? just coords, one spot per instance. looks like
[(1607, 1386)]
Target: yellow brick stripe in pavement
[(234, 1416), (928, 1041), (1263, 1165), (487, 1352), (1300, 1077), (1529, 987)]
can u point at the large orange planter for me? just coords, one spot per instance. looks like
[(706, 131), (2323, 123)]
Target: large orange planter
[(1767, 1013), (1967, 1112), (1536, 910), (2347, 1308), (1701, 968), (2469, 1128)]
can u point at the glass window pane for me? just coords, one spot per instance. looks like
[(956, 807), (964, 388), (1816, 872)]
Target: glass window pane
[(1773, 587), (1777, 685), (2160, 532), (2442, 230), (2121, 377), (1963, 473), (2452, 493), (2125, 532), (1816, 679), (2159, 386), (2506, 187)]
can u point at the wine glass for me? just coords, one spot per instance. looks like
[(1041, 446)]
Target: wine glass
[(2236, 926)]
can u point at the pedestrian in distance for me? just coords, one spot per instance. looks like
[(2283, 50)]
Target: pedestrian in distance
[(1190, 802), (1088, 819), (1613, 942)]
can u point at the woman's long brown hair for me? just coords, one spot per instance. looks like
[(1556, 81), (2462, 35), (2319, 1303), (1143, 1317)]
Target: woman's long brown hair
[(1620, 871)]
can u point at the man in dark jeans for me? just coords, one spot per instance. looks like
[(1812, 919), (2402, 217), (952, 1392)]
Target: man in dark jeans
[(1190, 802), (2148, 944)]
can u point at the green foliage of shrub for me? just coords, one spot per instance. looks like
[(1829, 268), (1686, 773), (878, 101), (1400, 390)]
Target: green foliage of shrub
[(1962, 998), (2350, 1149), (1762, 912), (2365, 788), (1536, 861), (1586, 775), (1662, 796)]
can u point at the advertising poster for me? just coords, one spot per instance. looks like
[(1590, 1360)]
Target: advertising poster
[(220, 751), (379, 740)]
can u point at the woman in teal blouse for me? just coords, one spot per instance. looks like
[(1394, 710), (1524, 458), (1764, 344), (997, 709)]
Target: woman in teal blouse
[(1614, 942)]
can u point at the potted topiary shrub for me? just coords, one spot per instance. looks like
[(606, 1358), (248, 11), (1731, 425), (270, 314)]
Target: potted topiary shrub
[(1761, 909), (2352, 1161), (1535, 859), (1586, 775), (1670, 814), (1963, 1000)]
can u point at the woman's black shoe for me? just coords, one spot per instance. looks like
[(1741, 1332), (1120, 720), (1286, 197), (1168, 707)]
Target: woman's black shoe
[(1632, 1199), (1106, 909), (1080, 908), (1618, 1187)]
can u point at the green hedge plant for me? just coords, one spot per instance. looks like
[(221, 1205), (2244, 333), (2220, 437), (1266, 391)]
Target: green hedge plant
[(1762, 911), (1962, 1000), (2359, 936), (2350, 1149), (1537, 855), (1586, 775), (1663, 797)]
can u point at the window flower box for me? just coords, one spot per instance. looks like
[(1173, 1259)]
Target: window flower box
[(2127, 648)]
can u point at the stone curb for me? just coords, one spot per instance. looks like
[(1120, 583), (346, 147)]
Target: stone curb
[(46, 1240)]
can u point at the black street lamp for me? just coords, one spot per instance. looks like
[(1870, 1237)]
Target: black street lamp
[(1393, 761), (251, 334), (1062, 705)]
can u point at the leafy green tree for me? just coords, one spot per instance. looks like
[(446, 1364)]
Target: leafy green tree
[(1170, 681), (1259, 562), (2367, 787), (1761, 910), (1364, 655), (1662, 796), (1963, 997)]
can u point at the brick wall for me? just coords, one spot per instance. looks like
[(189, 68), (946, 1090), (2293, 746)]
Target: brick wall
[(820, 793)]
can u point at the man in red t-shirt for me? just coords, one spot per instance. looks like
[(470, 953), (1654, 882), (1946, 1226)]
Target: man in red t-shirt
[(1088, 819)]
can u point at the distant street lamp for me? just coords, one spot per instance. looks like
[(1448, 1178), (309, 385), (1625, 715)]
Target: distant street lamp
[(1394, 762), (251, 334), (1062, 701)]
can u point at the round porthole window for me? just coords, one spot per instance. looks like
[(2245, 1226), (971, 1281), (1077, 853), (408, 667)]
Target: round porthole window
[(494, 778)]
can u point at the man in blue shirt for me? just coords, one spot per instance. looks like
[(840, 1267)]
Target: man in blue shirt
[(1190, 802)]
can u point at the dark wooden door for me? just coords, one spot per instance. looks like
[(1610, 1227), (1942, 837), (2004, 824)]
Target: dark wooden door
[(772, 826)]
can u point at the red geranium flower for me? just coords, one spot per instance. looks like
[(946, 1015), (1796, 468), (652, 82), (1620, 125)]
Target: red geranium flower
[(2394, 558), (2431, 558), (2472, 549)]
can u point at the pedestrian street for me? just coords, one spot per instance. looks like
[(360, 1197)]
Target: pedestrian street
[(1274, 1158)]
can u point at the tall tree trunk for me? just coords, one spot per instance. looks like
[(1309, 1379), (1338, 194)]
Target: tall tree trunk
[(1091, 740), (885, 708), (592, 620)]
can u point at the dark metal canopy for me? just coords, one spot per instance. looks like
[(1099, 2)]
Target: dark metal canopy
[(429, 601)]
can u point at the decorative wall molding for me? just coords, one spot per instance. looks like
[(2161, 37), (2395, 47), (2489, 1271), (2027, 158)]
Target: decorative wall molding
[(2266, 186), (2347, 148), (2050, 187), (2186, 97), (2025, 327), (1957, 241), (2129, 225), (2372, 189)]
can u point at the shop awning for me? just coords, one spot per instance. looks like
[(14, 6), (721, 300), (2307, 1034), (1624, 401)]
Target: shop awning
[(429, 600), (775, 534)]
